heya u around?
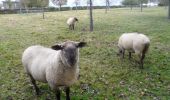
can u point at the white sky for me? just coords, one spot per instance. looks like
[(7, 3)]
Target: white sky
[(83, 2), (95, 2)]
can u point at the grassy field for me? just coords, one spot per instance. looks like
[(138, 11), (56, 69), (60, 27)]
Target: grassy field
[(103, 75)]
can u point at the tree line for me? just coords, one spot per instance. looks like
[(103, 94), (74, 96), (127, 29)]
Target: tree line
[(140, 3), (34, 3), (37, 3)]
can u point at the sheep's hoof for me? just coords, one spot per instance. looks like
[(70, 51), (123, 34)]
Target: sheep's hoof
[(38, 92), (130, 59), (118, 54), (78, 77), (141, 67)]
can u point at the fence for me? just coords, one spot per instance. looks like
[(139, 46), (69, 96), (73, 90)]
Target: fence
[(38, 10)]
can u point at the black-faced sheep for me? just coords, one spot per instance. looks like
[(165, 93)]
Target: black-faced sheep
[(134, 42), (71, 22), (58, 66)]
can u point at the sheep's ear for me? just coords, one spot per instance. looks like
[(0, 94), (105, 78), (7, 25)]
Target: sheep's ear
[(57, 47), (81, 44)]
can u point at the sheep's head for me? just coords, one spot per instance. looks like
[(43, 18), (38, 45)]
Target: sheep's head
[(69, 51), (119, 52), (75, 19)]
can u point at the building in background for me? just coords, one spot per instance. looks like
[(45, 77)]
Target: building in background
[(13, 4)]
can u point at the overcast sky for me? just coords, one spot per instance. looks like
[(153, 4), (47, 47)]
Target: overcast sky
[(95, 2), (83, 2)]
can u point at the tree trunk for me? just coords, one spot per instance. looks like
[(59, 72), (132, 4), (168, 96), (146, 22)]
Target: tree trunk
[(131, 7), (27, 9), (108, 4), (76, 7), (169, 11), (141, 6), (87, 6), (20, 10), (91, 16), (60, 7), (106, 7), (43, 12)]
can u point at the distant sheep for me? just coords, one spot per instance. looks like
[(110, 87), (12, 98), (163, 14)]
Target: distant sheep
[(58, 65), (71, 22), (134, 42)]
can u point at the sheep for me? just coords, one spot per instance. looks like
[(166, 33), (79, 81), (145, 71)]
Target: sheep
[(57, 66), (71, 21), (134, 43)]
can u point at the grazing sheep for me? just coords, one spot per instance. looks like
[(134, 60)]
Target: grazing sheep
[(58, 65), (134, 42), (71, 21)]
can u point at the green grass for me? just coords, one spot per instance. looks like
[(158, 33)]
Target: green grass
[(103, 74)]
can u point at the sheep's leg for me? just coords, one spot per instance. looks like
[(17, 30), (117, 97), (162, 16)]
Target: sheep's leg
[(55, 88), (57, 93), (70, 27), (130, 55), (67, 89), (73, 26), (141, 60), (34, 84), (78, 77), (123, 54)]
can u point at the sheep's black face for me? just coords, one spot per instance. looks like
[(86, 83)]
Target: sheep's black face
[(70, 51), (76, 19), (119, 52)]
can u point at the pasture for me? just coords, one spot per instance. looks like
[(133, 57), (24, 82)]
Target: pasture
[(103, 76)]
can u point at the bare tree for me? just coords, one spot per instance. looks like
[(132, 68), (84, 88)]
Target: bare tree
[(91, 16), (107, 5), (130, 3), (34, 3), (24, 3), (88, 4), (108, 2), (59, 3), (141, 2), (163, 2), (42, 4), (77, 2)]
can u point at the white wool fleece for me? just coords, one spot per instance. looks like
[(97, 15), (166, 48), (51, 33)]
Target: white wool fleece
[(45, 65)]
